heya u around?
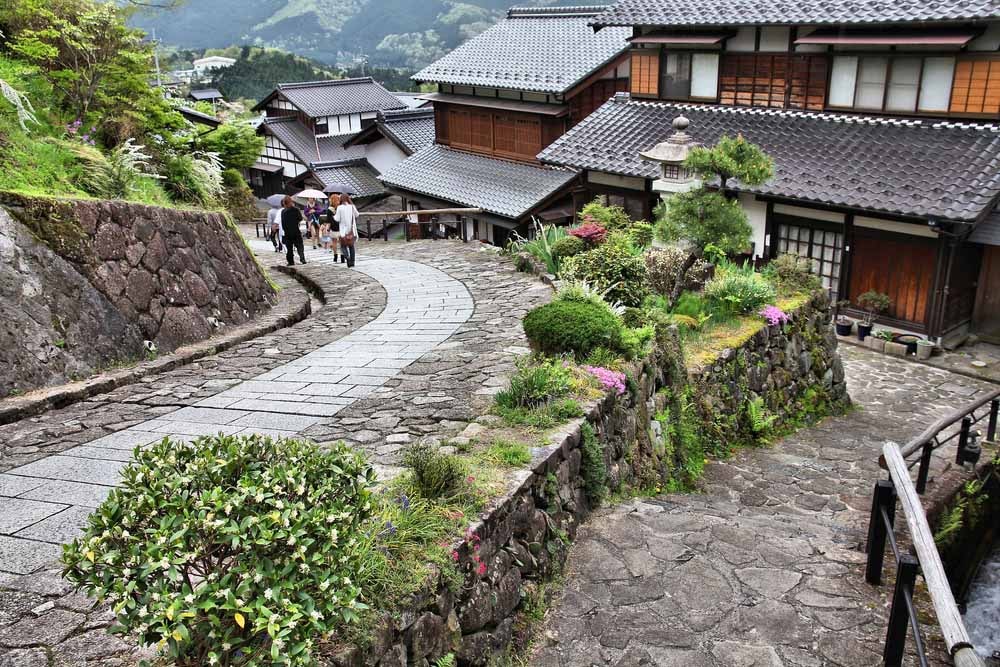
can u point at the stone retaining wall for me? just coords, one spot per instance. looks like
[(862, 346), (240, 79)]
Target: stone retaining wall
[(524, 537), (114, 274)]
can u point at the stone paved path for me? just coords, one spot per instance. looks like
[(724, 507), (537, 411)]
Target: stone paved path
[(763, 569), (44, 503)]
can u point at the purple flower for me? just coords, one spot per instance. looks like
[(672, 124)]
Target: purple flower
[(608, 378), (774, 315)]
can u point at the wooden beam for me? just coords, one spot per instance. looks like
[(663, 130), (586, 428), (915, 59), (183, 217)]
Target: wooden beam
[(429, 211), (956, 637)]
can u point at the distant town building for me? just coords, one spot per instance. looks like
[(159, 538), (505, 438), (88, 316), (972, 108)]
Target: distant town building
[(206, 95), (204, 66)]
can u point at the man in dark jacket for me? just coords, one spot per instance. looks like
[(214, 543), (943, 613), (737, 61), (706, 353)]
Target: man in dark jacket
[(290, 219)]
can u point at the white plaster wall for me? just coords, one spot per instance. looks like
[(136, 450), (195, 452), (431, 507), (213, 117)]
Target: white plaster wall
[(383, 155), (988, 41), (894, 226), (809, 213), (757, 217)]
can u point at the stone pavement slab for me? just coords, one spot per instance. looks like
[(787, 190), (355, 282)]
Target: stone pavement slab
[(765, 566)]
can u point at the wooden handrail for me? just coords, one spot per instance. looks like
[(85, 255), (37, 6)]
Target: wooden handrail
[(943, 423), (956, 637)]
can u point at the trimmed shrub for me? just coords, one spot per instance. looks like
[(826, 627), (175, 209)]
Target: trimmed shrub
[(436, 475), (229, 550), (609, 217), (641, 234), (740, 290), (570, 326), (535, 384), (568, 246), (613, 269), (791, 273), (636, 341), (662, 265)]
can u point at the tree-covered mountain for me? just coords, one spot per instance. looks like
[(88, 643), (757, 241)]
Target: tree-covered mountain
[(395, 33)]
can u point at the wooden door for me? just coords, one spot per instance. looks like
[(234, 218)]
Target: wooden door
[(898, 265), (987, 316)]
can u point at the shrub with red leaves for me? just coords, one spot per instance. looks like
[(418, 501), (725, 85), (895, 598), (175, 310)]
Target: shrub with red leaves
[(591, 232)]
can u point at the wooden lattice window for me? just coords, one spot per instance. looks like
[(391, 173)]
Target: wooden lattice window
[(505, 128), (482, 131), (528, 138), (754, 80), (645, 73), (977, 87), (459, 128), (807, 82)]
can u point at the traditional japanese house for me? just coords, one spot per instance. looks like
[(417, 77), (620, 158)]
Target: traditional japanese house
[(307, 128), (501, 98), (881, 119)]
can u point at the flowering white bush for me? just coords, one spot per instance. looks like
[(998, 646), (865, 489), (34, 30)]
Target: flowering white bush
[(230, 550)]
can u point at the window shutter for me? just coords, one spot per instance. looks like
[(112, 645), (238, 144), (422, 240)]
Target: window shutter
[(977, 87), (645, 72)]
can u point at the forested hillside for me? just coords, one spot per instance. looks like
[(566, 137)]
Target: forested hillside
[(396, 33)]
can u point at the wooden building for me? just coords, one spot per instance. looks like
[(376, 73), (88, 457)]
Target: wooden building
[(881, 119), (501, 98)]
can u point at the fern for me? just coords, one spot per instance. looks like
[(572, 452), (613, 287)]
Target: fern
[(760, 421), (446, 661)]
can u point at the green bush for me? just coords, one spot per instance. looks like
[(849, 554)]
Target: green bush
[(740, 290), (641, 234), (791, 273), (535, 383), (229, 550), (662, 265), (635, 342), (612, 268), (593, 468), (436, 475), (569, 326), (568, 246), (601, 357), (609, 217), (238, 198), (232, 178)]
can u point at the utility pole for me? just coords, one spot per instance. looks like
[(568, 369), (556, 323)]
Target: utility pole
[(156, 59)]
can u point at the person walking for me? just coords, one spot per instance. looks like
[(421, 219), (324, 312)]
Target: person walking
[(331, 220), (312, 213), (347, 222), (274, 228), (290, 219)]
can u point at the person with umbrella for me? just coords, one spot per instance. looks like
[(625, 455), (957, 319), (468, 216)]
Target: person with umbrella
[(273, 230), (347, 221), (331, 223), (291, 217)]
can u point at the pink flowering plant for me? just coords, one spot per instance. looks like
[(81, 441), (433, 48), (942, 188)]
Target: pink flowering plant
[(75, 130), (608, 378), (774, 315)]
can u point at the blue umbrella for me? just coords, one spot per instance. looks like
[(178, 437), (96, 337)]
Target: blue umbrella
[(274, 201)]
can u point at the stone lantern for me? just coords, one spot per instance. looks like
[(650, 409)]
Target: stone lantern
[(670, 154)]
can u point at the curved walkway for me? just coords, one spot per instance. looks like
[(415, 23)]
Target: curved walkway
[(763, 569), (45, 502)]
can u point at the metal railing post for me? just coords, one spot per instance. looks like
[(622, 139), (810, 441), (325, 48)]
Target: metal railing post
[(925, 466), (385, 230), (884, 497), (899, 617), (991, 431), (368, 226), (406, 230), (963, 439)]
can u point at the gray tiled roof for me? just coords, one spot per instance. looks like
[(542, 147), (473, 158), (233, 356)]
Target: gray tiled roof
[(205, 94), (763, 12), (507, 189), (914, 168), (358, 174), (342, 96), (300, 140), (536, 49), (987, 232), (413, 128)]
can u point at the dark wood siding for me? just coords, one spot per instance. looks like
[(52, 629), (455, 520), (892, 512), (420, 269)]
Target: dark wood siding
[(987, 317), (899, 265), (773, 80), (511, 135), (593, 96), (962, 285)]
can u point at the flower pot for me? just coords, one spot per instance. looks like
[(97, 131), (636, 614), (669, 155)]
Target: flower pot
[(925, 349), (864, 330), (876, 344), (895, 349), (844, 328), (909, 340)]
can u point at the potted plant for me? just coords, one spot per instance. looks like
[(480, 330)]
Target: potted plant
[(925, 348), (878, 340), (909, 340), (843, 323), (873, 303)]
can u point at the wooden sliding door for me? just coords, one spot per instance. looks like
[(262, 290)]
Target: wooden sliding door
[(899, 265)]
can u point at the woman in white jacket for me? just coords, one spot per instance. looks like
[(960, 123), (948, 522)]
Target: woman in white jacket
[(347, 221)]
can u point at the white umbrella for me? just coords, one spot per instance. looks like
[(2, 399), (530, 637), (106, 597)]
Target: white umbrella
[(309, 194)]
